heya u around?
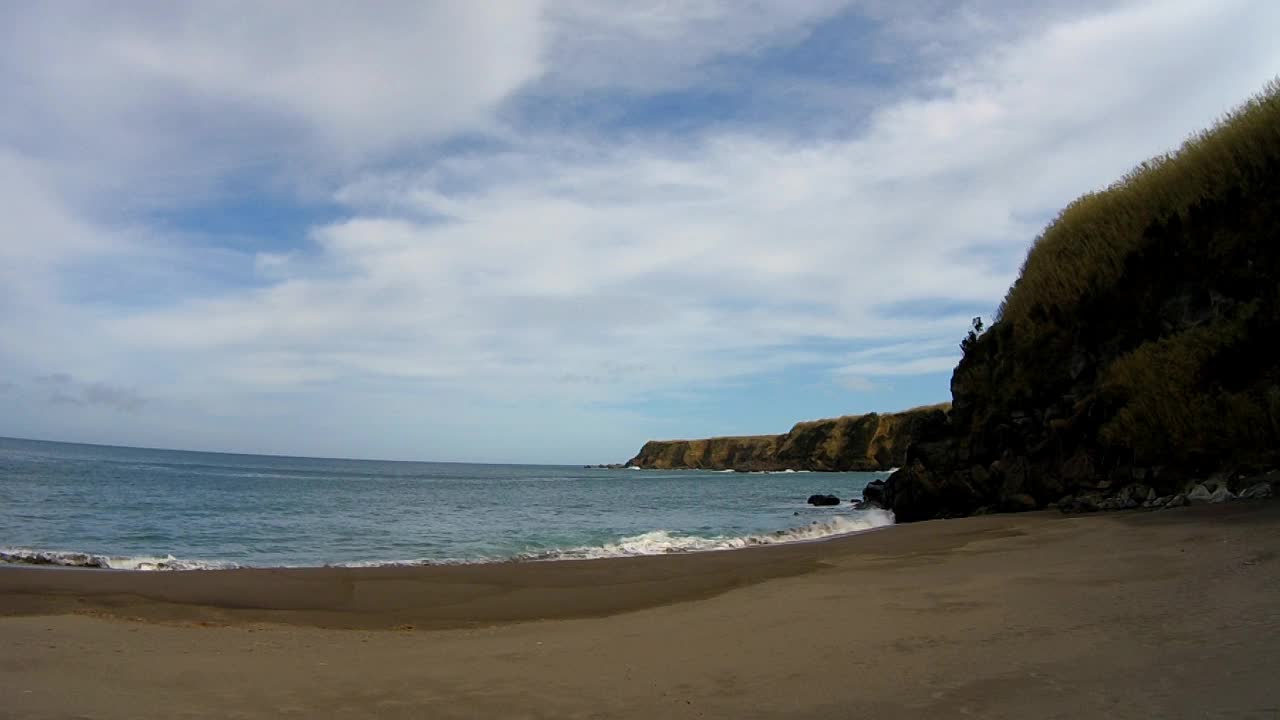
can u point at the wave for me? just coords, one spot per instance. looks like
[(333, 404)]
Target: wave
[(655, 542), (61, 558), (666, 542)]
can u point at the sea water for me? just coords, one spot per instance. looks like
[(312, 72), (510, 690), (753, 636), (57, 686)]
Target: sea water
[(129, 508)]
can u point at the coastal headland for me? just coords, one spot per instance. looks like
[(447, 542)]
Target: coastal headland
[(1131, 360), (1127, 615), (867, 442)]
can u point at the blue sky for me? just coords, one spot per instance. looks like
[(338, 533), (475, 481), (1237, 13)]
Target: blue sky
[(546, 232)]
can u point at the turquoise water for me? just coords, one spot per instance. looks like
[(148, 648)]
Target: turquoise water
[(131, 508)]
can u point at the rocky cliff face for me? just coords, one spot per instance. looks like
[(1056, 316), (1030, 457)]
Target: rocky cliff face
[(1135, 353), (854, 442)]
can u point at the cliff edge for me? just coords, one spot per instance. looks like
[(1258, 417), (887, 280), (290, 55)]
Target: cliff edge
[(853, 442), (1132, 361)]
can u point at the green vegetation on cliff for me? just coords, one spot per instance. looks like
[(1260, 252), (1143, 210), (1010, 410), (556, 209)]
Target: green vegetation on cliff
[(853, 442), (1135, 347)]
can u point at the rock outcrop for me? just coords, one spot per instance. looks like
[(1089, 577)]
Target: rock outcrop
[(823, 500), (1135, 349), (854, 442)]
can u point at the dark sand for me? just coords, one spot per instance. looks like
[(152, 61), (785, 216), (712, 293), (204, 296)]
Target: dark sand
[(1162, 614)]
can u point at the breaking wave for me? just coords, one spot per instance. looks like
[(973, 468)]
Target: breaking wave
[(665, 542), (59, 558)]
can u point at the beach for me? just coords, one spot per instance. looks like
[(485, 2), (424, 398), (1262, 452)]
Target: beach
[(1156, 614)]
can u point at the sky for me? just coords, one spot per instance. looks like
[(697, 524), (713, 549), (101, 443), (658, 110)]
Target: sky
[(549, 231)]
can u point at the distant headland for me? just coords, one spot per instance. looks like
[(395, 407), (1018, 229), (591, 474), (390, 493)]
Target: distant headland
[(867, 442)]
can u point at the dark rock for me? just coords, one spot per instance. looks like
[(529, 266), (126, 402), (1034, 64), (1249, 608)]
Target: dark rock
[(1116, 502), (1019, 502), (1080, 363), (873, 493), (1221, 495), (1157, 502), (1080, 470), (1271, 478), (1080, 503), (1199, 494), (824, 500), (1013, 476), (1132, 496), (1168, 479), (1176, 501), (1215, 481), (1257, 492), (913, 493)]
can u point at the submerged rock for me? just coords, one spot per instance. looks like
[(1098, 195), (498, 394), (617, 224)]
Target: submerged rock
[(824, 500)]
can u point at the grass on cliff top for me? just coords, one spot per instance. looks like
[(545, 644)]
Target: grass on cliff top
[(1086, 245), (943, 406)]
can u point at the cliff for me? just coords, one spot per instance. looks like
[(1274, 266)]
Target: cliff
[(853, 442), (1134, 353)]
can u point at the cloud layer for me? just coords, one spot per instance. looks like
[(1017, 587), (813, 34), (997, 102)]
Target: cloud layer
[(552, 232)]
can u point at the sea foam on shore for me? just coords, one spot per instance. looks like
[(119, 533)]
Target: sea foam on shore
[(73, 559), (663, 542)]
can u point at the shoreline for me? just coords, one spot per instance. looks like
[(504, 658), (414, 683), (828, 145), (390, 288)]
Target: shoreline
[(828, 523), (1125, 615), (485, 593)]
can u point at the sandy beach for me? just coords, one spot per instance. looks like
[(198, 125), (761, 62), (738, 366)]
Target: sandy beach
[(1158, 614)]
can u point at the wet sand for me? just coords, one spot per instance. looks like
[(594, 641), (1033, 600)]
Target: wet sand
[(1162, 614)]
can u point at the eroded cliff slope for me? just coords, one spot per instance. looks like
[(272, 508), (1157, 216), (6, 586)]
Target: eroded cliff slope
[(853, 442)]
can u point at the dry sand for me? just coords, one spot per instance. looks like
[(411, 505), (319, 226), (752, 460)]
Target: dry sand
[(1163, 614)]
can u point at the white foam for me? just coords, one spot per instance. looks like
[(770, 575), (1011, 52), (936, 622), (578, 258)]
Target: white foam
[(665, 542), (61, 558)]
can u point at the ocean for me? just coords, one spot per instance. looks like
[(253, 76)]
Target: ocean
[(141, 509)]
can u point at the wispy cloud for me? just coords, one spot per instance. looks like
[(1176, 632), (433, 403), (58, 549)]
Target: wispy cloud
[(63, 389)]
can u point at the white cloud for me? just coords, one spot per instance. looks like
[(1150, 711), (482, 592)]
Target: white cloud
[(153, 103)]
